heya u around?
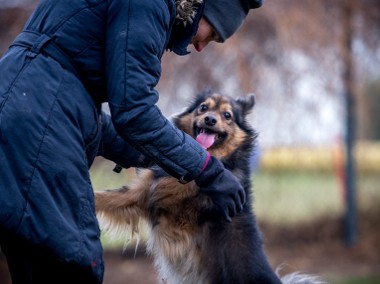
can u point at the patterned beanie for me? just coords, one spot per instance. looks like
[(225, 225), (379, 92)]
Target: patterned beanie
[(226, 16)]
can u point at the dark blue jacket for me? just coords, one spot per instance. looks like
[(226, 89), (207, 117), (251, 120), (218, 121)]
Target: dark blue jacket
[(73, 55)]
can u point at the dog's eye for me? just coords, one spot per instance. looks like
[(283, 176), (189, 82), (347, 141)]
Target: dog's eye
[(227, 115), (203, 107)]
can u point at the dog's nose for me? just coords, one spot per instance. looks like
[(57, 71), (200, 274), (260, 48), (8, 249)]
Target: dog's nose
[(210, 120)]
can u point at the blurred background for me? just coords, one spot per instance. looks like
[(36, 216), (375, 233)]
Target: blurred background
[(315, 69)]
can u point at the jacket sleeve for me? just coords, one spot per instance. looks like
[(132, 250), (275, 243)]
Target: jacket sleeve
[(113, 147), (136, 37)]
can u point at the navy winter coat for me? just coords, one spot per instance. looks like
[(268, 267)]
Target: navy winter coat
[(73, 55)]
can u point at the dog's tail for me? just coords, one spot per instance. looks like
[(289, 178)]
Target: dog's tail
[(300, 278)]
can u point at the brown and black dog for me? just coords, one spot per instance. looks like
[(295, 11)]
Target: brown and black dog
[(189, 243)]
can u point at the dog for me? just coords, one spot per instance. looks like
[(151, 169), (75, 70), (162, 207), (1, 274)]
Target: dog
[(188, 241)]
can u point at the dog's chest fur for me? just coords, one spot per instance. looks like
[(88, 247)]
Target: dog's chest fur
[(176, 238), (177, 263)]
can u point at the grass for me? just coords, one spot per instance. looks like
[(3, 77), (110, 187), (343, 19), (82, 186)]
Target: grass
[(295, 197), (291, 197)]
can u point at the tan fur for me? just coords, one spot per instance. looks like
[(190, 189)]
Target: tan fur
[(234, 139), (186, 123)]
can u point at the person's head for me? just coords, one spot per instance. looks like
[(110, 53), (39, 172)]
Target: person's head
[(221, 19)]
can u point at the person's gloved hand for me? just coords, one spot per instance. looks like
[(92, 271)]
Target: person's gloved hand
[(223, 187)]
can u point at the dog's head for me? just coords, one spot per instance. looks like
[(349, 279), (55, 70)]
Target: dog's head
[(217, 122)]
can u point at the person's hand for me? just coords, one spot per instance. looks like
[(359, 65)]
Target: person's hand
[(223, 187)]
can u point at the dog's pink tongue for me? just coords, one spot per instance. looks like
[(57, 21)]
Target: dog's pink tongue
[(206, 140)]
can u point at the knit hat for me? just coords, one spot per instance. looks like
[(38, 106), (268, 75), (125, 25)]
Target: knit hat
[(226, 16)]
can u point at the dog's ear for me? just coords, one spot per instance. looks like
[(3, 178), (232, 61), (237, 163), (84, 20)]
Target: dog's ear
[(246, 103)]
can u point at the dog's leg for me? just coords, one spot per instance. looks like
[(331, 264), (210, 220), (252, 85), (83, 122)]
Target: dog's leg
[(121, 210)]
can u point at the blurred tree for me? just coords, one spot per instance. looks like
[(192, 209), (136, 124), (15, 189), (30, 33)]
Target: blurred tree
[(350, 97)]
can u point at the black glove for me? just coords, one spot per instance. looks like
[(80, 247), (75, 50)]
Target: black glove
[(223, 187)]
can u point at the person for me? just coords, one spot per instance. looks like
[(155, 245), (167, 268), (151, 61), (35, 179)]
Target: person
[(70, 58)]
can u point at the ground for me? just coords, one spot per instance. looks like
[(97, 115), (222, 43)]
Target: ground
[(316, 248)]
